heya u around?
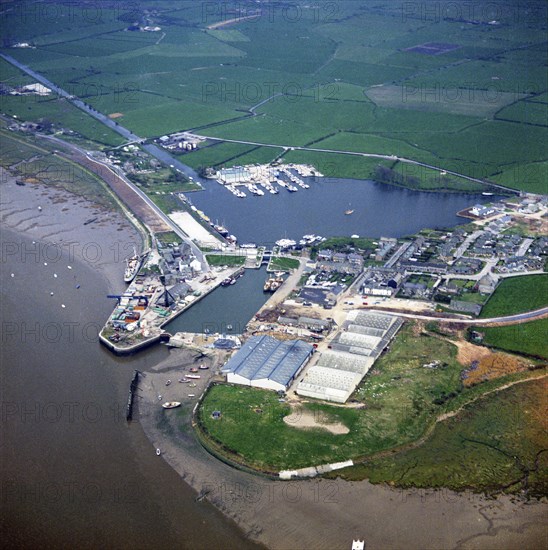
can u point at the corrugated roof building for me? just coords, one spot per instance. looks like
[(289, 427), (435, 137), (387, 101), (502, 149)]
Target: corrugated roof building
[(265, 362), (338, 371)]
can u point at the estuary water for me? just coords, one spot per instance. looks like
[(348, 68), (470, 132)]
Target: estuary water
[(379, 210), (73, 472)]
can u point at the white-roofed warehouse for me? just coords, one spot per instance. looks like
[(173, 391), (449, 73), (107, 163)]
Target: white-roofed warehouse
[(264, 362), (339, 370)]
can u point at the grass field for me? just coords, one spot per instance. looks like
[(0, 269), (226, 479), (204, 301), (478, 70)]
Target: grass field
[(353, 68), (225, 259), (517, 295), (402, 398), (495, 441), (529, 338), (283, 264)]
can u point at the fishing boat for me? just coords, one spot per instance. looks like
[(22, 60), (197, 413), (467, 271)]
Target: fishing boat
[(171, 404), (348, 212), (221, 230), (226, 282), (273, 284)]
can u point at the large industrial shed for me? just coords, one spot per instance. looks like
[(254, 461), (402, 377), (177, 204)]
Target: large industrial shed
[(264, 362), (338, 372)]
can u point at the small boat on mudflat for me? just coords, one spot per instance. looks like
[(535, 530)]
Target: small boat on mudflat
[(171, 404)]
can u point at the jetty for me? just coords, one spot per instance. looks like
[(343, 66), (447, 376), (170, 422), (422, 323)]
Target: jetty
[(132, 389), (259, 179)]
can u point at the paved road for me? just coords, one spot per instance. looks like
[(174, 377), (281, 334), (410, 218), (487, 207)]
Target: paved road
[(509, 319), (369, 155), (466, 244)]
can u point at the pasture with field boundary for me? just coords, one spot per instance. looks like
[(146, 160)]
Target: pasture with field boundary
[(462, 93)]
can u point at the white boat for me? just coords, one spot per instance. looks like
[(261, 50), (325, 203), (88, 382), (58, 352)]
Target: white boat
[(158, 452), (285, 243), (193, 376), (133, 265), (171, 404)]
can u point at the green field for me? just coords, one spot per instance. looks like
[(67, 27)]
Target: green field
[(349, 75), (283, 264), (401, 401), (494, 442), (218, 155), (225, 259), (529, 338), (517, 295)]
